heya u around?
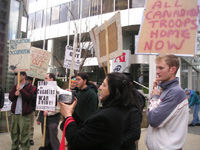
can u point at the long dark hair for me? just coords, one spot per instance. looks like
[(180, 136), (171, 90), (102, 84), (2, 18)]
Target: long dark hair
[(120, 91)]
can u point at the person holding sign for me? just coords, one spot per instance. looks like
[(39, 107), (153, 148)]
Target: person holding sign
[(167, 109), (104, 128), (1, 97), (52, 121), (21, 96)]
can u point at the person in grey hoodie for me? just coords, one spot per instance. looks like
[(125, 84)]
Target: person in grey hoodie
[(167, 109)]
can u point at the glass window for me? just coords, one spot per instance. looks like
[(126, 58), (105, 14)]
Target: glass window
[(1, 48), (2, 26), (121, 4), (95, 7), (47, 19), (2, 15), (31, 21), (2, 37), (85, 8), (107, 6), (64, 12), (74, 14), (3, 4), (13, 20), (38, 19), (136, 3), (55, 15)]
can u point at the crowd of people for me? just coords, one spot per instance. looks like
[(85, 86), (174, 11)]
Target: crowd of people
[(111, 121)]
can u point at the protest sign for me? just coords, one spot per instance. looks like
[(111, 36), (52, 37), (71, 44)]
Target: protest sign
[(68, 57), (169, 27), (7, 103), (46, 95), (19, 55), (39, 63), (121, 63), (114, 39)]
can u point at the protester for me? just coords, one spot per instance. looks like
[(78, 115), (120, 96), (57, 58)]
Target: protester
[(21, 96), (52, 121), (87, 96), (133, 119), (73, 85), (32, 114), (1, 97), (168, 108), (104, 128), (195, 102)]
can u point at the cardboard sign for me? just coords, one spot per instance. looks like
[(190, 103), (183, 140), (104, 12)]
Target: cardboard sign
[(169, 26), (19, 55), (121, 63), (114, 39), (39, 63), (46, 95), (68, 57), (7, 103)]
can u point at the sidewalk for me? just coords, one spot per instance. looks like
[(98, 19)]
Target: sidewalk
[(192, 141)]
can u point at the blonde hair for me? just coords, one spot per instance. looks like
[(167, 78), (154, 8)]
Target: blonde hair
[(170, 59)]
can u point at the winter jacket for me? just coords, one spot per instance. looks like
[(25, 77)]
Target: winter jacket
[(27, 94), (168, 118), (103, 130), (194, 99), (87, 102)]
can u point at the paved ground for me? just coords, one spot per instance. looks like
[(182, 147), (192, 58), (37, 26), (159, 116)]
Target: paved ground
[(192, 141)]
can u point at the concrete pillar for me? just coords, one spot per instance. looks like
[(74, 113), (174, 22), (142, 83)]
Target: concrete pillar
[(152, 72), (198, 81), (189, 77), (50, 48)]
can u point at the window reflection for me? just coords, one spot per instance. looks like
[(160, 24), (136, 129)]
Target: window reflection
[(107, 6), (31, 21), (95, 7), (85, 8), (55, 15), (64, 12), (136, 3), (120, 5), (74, 13), (38, 19), (46, 17)]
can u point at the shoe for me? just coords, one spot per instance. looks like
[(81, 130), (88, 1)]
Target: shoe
[(31, 142), (191, 125), (197, 124)]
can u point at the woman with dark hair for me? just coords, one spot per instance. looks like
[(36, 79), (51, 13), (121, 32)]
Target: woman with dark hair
[(103, 130)]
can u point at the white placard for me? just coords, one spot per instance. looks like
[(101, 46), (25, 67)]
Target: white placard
[(68, 57), (7, 103), (46, 95)]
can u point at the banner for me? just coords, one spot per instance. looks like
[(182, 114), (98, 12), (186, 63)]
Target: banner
[(68, 57), (114, 39), (39, 63), (7, 103), (19, 55), (121, 63), (169, 26), (46, 95)]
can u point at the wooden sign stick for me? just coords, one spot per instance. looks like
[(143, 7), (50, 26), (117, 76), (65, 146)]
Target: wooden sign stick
[(107, 46), (44, 130), (33, 82), (7, 122), (104, 68), (18, 78)]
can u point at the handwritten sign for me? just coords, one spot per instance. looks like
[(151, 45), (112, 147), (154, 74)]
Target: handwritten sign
[(169, 26), (7, 103), (46, 95), (19, 55), (39, 63), (68, 57)]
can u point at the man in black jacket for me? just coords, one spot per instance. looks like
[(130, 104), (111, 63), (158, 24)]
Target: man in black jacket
[(1, 97)]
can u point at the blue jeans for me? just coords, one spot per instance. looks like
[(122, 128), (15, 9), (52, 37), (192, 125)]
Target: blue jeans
[(195, 115)]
